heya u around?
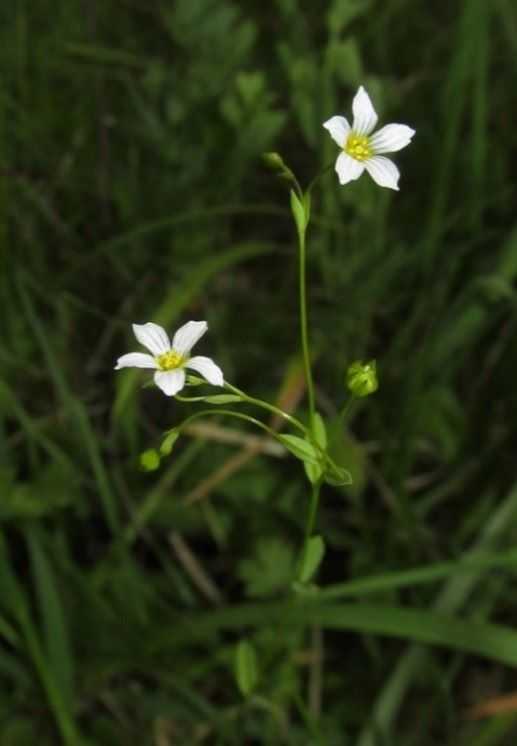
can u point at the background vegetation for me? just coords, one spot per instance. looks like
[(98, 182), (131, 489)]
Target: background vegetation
[(132, 189)]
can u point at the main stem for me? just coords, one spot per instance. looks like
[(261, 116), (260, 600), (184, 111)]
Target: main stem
[(313, 510), (309, 526), (304, 326)]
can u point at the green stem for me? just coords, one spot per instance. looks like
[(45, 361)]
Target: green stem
[(228, 413), (304, 334), (313, 509), (269, 407), (309, 526), (318, 176), (259, 403), (346, 410)]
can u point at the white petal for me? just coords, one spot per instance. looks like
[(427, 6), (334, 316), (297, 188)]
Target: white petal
[(187, 336), (153, 337), (365, 117), (207, 368), (136, 360), (348, 169), (339, 129), (170, 381), (383, 171), (391, 138)]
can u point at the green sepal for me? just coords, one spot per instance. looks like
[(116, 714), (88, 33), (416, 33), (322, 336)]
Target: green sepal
[(222, 399), (194, 380), (246, 668)]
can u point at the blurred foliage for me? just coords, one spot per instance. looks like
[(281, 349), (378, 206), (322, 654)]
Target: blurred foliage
[(132, 189)]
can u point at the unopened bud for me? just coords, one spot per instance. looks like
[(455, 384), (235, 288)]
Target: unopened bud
[(361, 378), (274, 161)]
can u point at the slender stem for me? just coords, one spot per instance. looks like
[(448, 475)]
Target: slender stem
[(297, 186), (318, 176), (309, 526), (304, 326), (313, 509), (289, 418), (265, 405), (227, 413), (346, 409)]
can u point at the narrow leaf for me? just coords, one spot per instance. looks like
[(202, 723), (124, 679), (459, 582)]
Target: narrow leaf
[(338, 477), (299, 447), (494, 641), (246, 669), (319, 431), (55, 633), (312, 557), (298, 211), (313, 471)]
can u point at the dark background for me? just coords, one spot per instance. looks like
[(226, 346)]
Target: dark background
[(132, 189)]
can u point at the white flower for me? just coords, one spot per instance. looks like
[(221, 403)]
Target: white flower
[(170, 360), (362, 149)]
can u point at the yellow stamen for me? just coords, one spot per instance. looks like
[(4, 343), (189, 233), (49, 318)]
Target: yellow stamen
[(170, 360), (358, 146)]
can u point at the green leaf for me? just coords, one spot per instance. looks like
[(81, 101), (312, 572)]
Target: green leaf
[(494, 641), (319, 431), (56, 640), (222, 399), (150, 460), (246, 669), (314, 472), (312, 557), (338, 477), (348, 455), (472, 564), (168, 442), (300, 448), (299, 214)]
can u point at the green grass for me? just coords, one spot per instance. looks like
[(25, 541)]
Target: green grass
[(132, 189)]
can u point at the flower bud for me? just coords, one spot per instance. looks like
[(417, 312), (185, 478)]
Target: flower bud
[(274, 161), (361, 378)]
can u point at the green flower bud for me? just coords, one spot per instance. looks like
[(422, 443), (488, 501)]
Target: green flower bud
[(274, 161), (150, 460), (361, 378)]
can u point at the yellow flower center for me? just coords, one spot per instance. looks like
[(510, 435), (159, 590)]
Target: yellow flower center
[(170, 360), (358, 146)]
